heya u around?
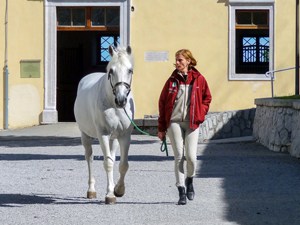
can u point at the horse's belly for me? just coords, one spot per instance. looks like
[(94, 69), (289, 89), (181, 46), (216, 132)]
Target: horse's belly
[(84, 121), (98, 122)]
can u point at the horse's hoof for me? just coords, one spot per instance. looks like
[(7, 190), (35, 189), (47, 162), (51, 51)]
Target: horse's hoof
[(119, 195), (119, 191), (110, 200), (91, 194)]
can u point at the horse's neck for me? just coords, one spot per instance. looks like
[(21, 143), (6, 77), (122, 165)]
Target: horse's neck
[(106, 96)]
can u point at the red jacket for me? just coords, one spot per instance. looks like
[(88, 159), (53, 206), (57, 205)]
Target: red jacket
[(199, 102)]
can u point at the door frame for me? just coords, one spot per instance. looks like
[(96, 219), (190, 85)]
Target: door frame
[(50, 114)]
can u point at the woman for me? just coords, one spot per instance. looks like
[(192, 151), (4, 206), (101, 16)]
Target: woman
[(183, 104)]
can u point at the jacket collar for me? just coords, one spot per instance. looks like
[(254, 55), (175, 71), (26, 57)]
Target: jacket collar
[(193, 71)]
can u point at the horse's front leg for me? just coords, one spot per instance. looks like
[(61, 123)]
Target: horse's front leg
[(108, 163), (123, 165), (87, 144)]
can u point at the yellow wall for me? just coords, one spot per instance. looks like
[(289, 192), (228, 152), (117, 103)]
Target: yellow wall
[(202, 27), (285, 47), (25, 42), (2, 50), (156, 25)]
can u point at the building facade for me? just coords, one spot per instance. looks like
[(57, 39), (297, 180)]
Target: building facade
[(47, 46)]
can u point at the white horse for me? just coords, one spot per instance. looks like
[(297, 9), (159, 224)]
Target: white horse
[(99, 112)]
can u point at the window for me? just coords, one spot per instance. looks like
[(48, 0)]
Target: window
[(251, 40), (103, 20), (104, 42), (71, 17), (88, 18)]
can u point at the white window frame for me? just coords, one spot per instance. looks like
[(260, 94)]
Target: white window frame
[(235, 5)]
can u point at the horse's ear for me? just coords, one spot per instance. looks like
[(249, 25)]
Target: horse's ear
[(112, 50), (115, 44), (128, 49)]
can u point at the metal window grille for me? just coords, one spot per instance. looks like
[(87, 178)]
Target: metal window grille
[(105, 42), (255, 49)]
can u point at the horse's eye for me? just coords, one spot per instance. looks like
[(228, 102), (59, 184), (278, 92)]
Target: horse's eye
[(130, 71)]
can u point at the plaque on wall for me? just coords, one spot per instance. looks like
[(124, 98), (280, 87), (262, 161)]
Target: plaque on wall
[(30, 68), (156, 56)]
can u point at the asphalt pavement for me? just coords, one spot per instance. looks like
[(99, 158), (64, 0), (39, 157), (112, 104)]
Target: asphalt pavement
[(238, 181)]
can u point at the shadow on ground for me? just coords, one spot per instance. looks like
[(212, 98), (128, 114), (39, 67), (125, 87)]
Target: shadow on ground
[(259, 186), (19, 200), (39, 157), (47, 141)]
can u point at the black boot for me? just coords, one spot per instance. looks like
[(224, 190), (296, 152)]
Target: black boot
[(190, 193), (182, 196)]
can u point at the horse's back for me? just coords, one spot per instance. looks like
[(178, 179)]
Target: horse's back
[(87, 90), (88, 81), (85, 102)]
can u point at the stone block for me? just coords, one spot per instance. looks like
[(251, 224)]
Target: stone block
[(150, 122), (139, 122), (236, 132), (246, 114), (277, 124)]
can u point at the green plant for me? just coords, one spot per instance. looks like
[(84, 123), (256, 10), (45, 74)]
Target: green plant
[(288, 97)]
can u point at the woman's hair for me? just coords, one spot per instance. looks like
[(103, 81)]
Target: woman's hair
[(187, 54)]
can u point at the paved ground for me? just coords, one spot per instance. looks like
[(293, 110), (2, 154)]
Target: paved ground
[(44, 181)]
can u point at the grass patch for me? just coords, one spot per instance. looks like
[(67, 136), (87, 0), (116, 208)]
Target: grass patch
[(289, 97)]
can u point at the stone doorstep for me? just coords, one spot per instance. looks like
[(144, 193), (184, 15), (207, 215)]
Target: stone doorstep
[(146, 122), (148, 125), (296, 104)]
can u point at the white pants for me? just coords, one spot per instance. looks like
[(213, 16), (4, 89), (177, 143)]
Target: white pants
[(184, 143)]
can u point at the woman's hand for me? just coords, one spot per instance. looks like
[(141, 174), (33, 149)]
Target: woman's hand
[(161, 135)]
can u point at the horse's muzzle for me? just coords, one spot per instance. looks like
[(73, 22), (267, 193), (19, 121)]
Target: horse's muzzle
[(121, 92), (120, 102)]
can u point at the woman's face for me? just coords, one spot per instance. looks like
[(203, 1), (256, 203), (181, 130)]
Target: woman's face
[(182, 63)]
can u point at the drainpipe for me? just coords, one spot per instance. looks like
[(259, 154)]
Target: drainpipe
[(5, 72), (297, 49)]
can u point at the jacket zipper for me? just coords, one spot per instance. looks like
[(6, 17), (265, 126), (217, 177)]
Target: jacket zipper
[(184, 103), (193, 112)]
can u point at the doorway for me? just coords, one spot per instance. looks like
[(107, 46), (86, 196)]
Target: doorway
[(76, 57), (83, 37)]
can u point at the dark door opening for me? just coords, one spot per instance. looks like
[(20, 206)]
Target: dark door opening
[(77, 55)]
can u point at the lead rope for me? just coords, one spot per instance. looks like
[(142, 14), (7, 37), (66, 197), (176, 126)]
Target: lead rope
[(163, 146)]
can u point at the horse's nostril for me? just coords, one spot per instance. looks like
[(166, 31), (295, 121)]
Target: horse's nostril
[(121, 102)]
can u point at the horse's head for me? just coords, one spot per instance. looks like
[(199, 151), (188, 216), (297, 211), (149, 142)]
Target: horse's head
[(120, 70)]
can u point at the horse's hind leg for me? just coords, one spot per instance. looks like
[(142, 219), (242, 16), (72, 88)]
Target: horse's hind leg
[(119, 190), (87, 144)]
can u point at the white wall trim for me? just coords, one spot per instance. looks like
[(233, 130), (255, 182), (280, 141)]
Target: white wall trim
[(49, 114), (243, 2)]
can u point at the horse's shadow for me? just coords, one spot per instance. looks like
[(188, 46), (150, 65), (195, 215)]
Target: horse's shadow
[(20, 200), (47, 141), (38, 141), (29, 157)]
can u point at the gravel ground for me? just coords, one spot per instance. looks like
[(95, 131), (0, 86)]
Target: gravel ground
[(44, 181)]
